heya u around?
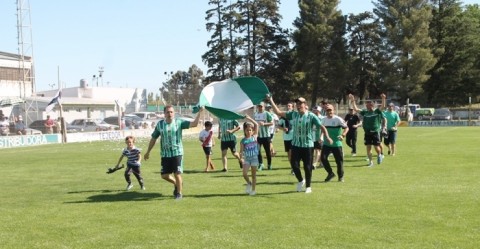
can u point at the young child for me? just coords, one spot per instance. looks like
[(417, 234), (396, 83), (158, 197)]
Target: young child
[(249, 151), (134, 158), (206, 137)]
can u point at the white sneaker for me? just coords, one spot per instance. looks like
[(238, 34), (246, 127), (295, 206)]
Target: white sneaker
[(370, 164), (143, 187), (129, 186), (248, 190), (354, 154), (308, 190), (252, 192), (300, 185)]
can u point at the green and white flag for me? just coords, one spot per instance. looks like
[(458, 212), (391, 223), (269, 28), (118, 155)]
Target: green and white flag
[(225, 99)]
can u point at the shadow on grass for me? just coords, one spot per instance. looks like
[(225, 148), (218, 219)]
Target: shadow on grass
[(239, 194), (114, 196)]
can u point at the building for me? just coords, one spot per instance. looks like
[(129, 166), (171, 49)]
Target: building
[(16, 79), (18, 95)]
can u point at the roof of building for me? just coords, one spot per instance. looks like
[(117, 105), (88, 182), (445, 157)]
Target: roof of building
[(10, 56)]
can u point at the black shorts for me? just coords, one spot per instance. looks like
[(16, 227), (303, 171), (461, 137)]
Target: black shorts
[(287, 144), (172, 165), (317, 145), (225, 145), (372, 138), (207, 150)]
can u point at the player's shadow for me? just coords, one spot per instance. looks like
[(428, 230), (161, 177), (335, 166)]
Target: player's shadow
[(114, 196)]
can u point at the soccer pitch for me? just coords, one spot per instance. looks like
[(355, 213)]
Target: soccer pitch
[(427, 196)]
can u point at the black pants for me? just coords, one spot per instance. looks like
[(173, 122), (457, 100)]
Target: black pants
[(305, 155), (337, 154), (136, 172), (265, 142), (352, 140)]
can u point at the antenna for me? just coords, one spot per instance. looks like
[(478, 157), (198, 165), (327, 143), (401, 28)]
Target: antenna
[(25, 48)]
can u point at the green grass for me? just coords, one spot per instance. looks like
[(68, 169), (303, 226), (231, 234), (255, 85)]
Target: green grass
[(427, 196)]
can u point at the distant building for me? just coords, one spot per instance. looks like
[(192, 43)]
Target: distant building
[(15, 76), (87, 102), (77, 102)]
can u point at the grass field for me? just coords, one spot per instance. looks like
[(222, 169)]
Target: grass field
[(427, 196)]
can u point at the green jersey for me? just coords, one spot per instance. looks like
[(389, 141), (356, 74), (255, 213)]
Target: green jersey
[(170, 137), (392, 119), (227, 124), (303, 132), (334, 126), (266, 117), (372, 120)]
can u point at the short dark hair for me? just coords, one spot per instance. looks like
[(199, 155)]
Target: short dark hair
[(208, 123)]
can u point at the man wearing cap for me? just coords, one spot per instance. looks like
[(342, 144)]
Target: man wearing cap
[(337, 129), (228, 140), (272, 129), (287, 128), (373, 122), (393, 119), (317, 143), (302, 142), (264, 120), (353, 122)]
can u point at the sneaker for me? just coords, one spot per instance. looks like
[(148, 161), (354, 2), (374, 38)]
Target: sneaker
[(353, 154), (329, 177), (370, 164), (252, 192), (340, 179), (308, 190), (260, 168), (393, 154), (175, 191), (248, 190), (300, 186), (269, 167), (388, 152), (143, 187), (224, 170), (178, 196), (380, 159), (129, 186)]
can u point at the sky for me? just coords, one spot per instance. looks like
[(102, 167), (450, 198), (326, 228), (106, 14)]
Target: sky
[(134, 41)]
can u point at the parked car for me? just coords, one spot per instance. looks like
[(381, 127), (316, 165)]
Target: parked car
[(424, 113), (38, 125), (129, 120), (88, 124), (442, 114)]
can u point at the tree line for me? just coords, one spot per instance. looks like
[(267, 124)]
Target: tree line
[(427, 51)]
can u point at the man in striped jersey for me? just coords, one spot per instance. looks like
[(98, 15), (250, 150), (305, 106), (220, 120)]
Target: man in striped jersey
[(264, 120), (228, 140), (171, 148), (303, 138)]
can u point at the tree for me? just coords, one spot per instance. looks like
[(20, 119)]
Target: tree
[(364, 48), (456, 36), (314, 39), (407, 43)]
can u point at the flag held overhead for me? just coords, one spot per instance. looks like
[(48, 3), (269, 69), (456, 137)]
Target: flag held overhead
[(225, 99)]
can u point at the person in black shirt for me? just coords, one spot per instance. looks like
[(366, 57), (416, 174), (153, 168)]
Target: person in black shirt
[(353, 122)]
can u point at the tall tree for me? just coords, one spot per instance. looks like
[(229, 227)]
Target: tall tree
[(314, 38), (405, 26), (364, 48), (456, 34)]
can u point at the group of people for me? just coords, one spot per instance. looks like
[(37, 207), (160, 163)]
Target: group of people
[(304, 132), (19, 128)]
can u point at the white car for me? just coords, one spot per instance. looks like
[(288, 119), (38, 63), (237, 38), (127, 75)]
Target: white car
[(89, 124)]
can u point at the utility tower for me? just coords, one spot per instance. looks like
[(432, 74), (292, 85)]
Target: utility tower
[(25, 49)]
